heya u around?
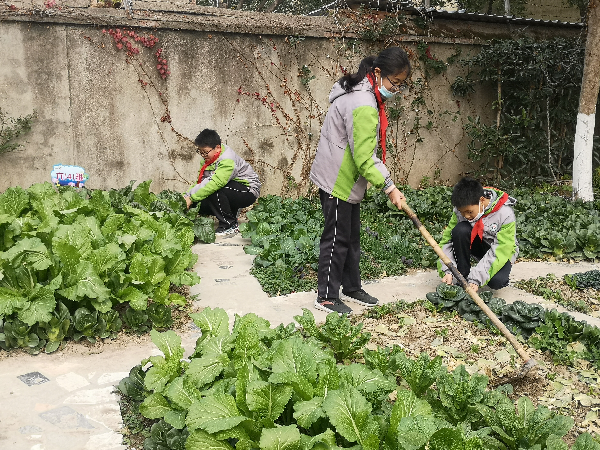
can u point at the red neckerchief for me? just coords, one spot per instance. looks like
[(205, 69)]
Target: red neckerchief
[(383, 120), (478, 227), (206, 164)]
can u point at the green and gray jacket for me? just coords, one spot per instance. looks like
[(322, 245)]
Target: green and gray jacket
[(228, 166), (346, 157), (499, 231)]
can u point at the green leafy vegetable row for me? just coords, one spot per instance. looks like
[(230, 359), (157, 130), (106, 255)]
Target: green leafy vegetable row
[(547, 330), (561, 292), (552, 226), (256, 387), (89, 251), (285, 236), (584, 280), (519, 317), (560, 331), (166, 202), (82, 324)]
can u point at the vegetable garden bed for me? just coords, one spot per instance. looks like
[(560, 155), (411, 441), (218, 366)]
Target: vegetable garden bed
[(79, 264), (401, 376), (577, 292), (417, 327), (84, 264)]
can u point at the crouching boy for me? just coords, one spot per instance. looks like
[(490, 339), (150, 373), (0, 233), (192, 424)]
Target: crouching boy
[(482, 226), (226, 182)]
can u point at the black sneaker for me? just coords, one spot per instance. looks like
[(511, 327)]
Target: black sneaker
[(332, 305), (226, 232), (360, 297)]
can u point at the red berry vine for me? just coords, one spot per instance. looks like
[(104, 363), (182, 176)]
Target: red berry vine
[(124, 39), (262, 99), (162, 66), (133, 45)]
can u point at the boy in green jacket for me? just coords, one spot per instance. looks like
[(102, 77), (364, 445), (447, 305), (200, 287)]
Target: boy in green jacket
[(482, 225), (226, 182)]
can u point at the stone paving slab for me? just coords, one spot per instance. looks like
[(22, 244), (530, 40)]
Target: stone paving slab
[(65, 401)]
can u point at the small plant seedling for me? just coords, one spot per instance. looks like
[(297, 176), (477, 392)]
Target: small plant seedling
[(443, 332)]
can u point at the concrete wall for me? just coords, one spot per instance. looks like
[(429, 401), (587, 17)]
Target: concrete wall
[(239, 73)]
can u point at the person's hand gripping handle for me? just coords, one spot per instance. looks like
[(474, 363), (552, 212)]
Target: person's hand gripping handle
[(397, 198)]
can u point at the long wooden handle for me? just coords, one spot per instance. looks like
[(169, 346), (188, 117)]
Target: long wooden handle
[(529, 362)]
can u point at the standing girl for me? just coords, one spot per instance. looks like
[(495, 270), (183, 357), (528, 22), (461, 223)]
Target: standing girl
[(345, 162)]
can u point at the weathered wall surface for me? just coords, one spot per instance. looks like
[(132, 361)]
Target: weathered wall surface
[(239, 73)]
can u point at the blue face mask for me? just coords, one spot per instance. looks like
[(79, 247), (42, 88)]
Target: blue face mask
[(385, 93)]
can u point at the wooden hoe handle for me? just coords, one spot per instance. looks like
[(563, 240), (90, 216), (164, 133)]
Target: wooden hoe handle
[(529, 362)]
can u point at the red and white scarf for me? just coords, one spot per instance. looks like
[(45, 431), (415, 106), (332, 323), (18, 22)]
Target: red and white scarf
[(478, 227), (383, 120), (207, 163)]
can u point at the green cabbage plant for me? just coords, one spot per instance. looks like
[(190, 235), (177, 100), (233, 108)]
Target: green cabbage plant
[(88, 324), (133, 385), (113, 322), (523, 317), (447, 296), (166, 437), (159, 315), (17, 334), (56, 329), (136, 320)]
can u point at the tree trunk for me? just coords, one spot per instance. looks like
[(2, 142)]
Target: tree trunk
[(586, 118)]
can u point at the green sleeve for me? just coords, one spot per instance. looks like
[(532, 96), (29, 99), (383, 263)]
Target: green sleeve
[(505, 248), (446, 244), (447, 234), (217, 181), (364, 133)]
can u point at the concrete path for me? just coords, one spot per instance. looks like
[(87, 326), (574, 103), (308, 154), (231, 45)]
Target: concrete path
[(65, 401)]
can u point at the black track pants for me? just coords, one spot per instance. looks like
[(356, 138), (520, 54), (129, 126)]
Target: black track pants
[(224, 203), (339, 255), (461, 240)]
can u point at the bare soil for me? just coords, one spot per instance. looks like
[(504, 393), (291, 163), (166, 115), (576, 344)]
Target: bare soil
[(571, 391), (555, 289)]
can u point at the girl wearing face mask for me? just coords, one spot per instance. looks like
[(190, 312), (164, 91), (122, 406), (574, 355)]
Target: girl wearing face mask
[(346, 160)]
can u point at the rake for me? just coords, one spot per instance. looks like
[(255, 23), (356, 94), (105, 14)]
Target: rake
[(529, 361)]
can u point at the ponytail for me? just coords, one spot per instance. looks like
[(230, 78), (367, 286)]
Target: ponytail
[(391, 61), (352, 79)]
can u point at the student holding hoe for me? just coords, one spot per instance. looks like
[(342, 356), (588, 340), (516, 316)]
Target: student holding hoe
[(226, 182), (346, 160), (482, 226)]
